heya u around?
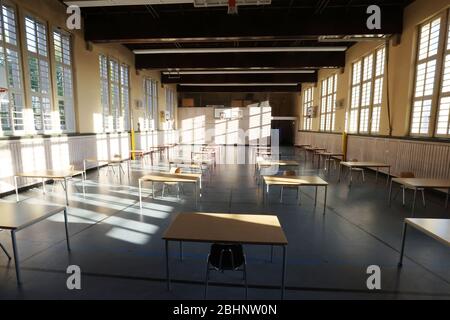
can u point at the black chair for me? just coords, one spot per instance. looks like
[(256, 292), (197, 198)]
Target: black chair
[(224, 257)]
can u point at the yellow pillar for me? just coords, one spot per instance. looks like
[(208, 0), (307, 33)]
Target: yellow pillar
[(344, 145)]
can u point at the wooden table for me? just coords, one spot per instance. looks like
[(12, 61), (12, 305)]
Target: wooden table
[(226, 228), (328, 156), (18, 216), (271, 163), (363, 165), (142, 153), (421, 183), (63, 175), (210, 153), (313, 151), (108, 162), (162, 177), (295, 181), (438, 229)]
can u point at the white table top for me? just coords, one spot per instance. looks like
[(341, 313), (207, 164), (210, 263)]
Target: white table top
[(423, 183), (226, 228), (269, 162), (363, 164), (295, 180), (438, 229), (16, 216), (172, 177), (113, 160), (50, 174)]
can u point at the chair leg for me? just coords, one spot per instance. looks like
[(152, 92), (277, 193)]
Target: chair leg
[(178, 190), (363, 176), (423, 197), (6, 252), (164, 188), (281, 195)]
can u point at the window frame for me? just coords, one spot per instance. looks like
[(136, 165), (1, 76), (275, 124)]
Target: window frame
[(328, 98), (115, 117), (27, 55), (436, 92), (150, 104), (12, 109), (354, 113), (307, 102), (69, 111)]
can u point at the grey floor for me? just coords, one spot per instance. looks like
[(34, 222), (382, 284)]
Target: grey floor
[(121, 254)]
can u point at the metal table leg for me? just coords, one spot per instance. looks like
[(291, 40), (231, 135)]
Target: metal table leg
[(140, 194), (390, 194), (414, 202), (17, 188), (283, 276), (181, 250), (16, 257), (67, 229), (66, 191), (402, 250), (167, 265), (446, 198), (315, 197), (325, 200), (389, 175)]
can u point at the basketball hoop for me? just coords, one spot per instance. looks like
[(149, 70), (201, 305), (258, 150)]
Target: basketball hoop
[(232, 7), (4, 95)]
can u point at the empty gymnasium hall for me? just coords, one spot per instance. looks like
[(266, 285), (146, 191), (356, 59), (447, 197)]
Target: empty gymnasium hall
[(224, 157)]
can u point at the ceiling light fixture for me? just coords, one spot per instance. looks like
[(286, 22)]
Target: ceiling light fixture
[(235, 50), (238, 72)]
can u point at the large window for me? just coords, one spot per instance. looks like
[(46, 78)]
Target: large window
[(170, 102), (151, 104), (431, 102), (443, 118), (115, 94), (39, 73), (12, 102), (125, 96), (328, 103), (308, 100), (425, 77), (366, 93), (64, 80)]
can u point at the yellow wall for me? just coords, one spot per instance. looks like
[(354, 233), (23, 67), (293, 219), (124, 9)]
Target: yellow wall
[(86, 66), (400, 73)]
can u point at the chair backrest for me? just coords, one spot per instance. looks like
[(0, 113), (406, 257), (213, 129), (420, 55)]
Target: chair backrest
[(175, 170), (289, 173), (407, 175), (117, 156), (226, 256), (354, 160)]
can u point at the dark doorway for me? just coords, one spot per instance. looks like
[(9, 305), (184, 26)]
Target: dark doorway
[(287, 131)]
